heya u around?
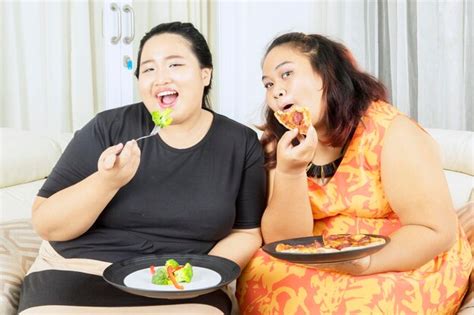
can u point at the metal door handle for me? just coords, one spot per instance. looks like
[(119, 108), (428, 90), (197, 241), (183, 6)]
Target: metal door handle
[(115, 8), (128, 9)]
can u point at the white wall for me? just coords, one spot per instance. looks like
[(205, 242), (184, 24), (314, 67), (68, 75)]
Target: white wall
[(243, 33)]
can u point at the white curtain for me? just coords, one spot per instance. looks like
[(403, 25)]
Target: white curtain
[(428, 60), (422, 51), (49, 75), (52, 57), (51, 61)]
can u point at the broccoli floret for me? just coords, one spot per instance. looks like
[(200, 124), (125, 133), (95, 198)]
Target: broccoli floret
[(172, 263), (161, 277), (184, 274), (163, 118)]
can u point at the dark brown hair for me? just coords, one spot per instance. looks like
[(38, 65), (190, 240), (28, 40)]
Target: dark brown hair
[(348, 91)]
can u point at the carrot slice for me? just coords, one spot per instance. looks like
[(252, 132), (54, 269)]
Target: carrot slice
[(152, 269), (170, 271)]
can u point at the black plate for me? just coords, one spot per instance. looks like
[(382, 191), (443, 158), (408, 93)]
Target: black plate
[(116, 273), (321, 257)]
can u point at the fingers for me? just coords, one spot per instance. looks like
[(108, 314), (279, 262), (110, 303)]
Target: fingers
[(109, 156), (285, 140), (130, 154), (311, 135), (109, 161)]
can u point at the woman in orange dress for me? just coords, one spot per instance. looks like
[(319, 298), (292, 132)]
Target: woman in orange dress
[(381, 174)]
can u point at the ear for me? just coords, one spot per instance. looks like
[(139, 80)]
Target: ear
[(206, 74)]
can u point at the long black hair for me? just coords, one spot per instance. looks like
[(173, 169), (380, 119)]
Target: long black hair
[(198, 46)]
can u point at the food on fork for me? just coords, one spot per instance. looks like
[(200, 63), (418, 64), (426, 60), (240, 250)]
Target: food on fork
[(162, 119), (295, 117), (332, 244), (172, 274)]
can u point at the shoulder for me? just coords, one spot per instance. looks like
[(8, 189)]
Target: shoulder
[(405, 139), (381, 114), (120, 113), (234, 129), (113, 125), (237, 137)]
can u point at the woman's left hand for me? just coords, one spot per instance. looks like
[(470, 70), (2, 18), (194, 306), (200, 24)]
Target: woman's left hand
[(353, 267)]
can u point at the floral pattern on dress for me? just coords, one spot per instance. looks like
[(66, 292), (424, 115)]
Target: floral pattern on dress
[(353, 201)]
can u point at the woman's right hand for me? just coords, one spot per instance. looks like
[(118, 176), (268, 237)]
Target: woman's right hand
[(294, 159), (118, 164)]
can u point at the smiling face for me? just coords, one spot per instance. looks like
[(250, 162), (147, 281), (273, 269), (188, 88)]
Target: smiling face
[(289, 79), (170, 77)]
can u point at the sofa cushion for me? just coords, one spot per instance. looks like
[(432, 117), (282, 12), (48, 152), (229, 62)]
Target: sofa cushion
[(29, 155), (460, 186), (19, 245), (16, 201), (456, 149)]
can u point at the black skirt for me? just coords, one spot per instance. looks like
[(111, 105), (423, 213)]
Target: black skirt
[(57, 282), (70, 288)]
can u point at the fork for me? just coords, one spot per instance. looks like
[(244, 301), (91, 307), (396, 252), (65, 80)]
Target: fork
[(152, 133)]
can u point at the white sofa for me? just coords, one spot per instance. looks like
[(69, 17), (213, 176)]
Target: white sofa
[(28, 157)]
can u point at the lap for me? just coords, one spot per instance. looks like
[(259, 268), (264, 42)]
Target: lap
[(69, 291)]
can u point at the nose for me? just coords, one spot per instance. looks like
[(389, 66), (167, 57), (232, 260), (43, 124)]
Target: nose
[(162, 77), (279, 93)]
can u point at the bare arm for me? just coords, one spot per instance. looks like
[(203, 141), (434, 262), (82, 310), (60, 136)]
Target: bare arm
[(417, 191), (288, 214), (70, 212), (239, 246), (288, 199)]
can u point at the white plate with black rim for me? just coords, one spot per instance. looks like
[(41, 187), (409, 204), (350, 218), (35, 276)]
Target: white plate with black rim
[(321, 258), (133, 275)]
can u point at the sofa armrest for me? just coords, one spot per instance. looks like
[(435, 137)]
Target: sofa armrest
[(19, 245)]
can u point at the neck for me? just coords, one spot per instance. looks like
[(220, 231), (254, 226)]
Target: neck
[(189, 132), (325, 154)]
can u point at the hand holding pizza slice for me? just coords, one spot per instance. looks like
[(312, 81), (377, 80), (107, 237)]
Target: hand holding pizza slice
[(295, 117)]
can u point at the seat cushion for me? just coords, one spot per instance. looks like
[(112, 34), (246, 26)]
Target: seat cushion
[(460, 186), (16, 201), (19, 245)]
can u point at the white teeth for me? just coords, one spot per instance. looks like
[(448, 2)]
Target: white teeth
[(164, 93)]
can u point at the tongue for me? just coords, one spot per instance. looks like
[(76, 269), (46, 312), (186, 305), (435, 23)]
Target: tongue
[(168, 99)]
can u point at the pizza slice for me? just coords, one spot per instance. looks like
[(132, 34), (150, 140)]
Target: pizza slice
[(351, 241), (311, 248), (332, 243), (295, 117)]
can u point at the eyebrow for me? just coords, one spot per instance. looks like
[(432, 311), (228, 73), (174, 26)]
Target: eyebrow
[(278, 66), (166, 58)]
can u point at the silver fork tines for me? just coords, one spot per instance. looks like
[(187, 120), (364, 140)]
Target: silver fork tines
[(152, 133)]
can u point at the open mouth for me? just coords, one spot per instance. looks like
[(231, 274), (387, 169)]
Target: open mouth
[(287, 107), (167, 99)]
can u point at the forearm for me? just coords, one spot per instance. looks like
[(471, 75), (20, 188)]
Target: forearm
[(288, 214), (239, 246), (411, 247), (70, 212)]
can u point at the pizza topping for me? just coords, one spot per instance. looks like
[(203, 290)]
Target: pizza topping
[(332, 243), (295, 117)]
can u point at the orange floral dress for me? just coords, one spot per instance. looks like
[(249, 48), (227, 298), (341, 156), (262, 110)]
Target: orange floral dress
[(353, 201)]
